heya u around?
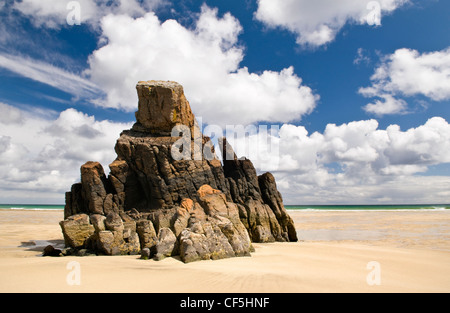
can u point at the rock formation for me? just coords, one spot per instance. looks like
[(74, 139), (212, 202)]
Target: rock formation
[(163, 205)]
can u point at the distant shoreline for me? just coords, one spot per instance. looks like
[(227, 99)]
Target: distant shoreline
[(390, 207), (34, 207)]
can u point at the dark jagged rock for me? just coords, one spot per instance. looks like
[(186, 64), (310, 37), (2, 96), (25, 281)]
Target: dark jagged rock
[(51, 251), (272, 197), (193, 207), (261, 205)]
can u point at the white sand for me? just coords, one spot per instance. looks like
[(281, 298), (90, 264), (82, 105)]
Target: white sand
[(418, 261)]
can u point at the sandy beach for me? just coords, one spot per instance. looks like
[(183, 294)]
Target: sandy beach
[(410, 250)]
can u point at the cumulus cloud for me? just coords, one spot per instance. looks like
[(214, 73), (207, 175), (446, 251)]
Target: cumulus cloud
[(408, 73), (205, 60), (56, 13), (355, 162), (316, 23), (355, 158), (387, 105), (302, 189), (50, 151)]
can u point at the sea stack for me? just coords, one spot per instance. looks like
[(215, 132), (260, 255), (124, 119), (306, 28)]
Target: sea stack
[(197, 208)]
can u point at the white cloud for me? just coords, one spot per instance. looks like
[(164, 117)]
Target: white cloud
[(361, 57), (406, 72), (45, 73), (350, 163), (317, 22), (397, 190), (389, 105), (10, 115), (356, 159), (354, 162), (54, 13), (205, 60), (41, 158)]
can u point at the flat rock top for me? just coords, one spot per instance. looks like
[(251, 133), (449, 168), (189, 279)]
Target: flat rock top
[(159, 83), (162, 105)]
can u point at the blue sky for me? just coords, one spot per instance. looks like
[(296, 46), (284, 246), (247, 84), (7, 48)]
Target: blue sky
[(359, 89)]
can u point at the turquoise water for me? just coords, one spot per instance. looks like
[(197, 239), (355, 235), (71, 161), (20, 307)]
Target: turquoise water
[(288, 207), (31, 207), (391, 207)]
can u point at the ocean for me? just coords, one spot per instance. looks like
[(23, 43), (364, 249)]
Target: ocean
[(390, 207), (37, 207), (385, 207)]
